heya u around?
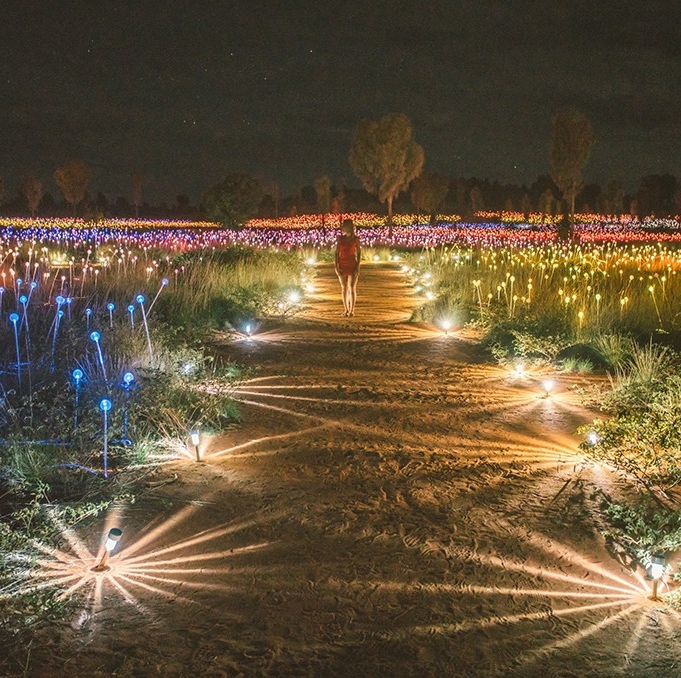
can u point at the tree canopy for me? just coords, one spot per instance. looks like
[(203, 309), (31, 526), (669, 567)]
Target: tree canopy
[(573, 139), (72, 178), (428, 192), (385, 157), (234, 200), (32, 190)]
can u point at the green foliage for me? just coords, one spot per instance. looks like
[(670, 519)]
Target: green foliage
[(614, 349), (642, 438), (234, 200), (576, 365), (644, 529)]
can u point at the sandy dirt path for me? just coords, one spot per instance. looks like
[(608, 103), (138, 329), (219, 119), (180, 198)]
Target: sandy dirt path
[(390, 505)]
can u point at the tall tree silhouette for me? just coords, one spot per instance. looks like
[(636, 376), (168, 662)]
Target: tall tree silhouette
[(72, 178), (573, 139), (385, 157), (32, 190)]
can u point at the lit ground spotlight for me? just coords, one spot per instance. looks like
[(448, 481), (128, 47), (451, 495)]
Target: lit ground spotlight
[(195, 438), (112, 540), (656, 569), (547, 386), (446, 325)]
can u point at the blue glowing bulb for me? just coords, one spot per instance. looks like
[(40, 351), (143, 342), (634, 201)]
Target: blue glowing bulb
[(88, 312), (140, 299), (105, 404), (60, 314), (23, 299), (164, 282), (77, 374), (95, 336), (34, 284), (60, 300), (128, 378), (14, 317), (131, 308), (110, 306)]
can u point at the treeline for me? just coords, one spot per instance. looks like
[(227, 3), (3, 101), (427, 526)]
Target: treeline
[(658, 195)]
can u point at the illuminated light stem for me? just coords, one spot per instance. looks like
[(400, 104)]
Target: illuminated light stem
[(14, 318), (195, 438), (112, 540), (140, 301), (105, 405)]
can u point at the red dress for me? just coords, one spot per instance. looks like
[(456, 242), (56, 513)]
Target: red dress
[(347, 255)]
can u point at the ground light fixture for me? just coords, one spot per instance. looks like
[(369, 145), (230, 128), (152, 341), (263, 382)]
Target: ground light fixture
[(111, 543), (656, 569), (446, 325), (547, 385), (195, 437)]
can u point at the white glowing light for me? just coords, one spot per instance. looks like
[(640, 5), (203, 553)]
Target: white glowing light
[(592, 437), (657, 566), (294, 297), (113, 538), (195, 437), (548, 385)]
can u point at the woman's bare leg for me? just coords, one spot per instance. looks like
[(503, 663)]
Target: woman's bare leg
[(344, 283), (352, 292)]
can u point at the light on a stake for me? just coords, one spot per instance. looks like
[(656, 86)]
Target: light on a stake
[(196, 438), (112, 540), (547, 385), (656, 569)]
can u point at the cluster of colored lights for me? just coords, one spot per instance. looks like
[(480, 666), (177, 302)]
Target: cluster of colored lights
[(594, 283), (298, 232)]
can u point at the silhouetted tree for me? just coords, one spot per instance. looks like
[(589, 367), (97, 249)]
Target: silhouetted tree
[(322, 186), (136, 190), (525, 204), (233, 200), (547, 202), (385, 157), (32, 190), (428, 192), (72, 178), (612, 199), (573, 139), (656, 195), (477, 199)]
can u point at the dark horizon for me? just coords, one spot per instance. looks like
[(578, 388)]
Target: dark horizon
[(186, 94)]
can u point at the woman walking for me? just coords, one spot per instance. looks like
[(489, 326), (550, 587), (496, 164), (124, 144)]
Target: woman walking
[(348, 256)]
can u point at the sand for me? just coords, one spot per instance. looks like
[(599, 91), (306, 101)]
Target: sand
[(392, 504)]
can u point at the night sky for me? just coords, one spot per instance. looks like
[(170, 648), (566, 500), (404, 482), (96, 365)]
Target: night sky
[(186, 92)]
